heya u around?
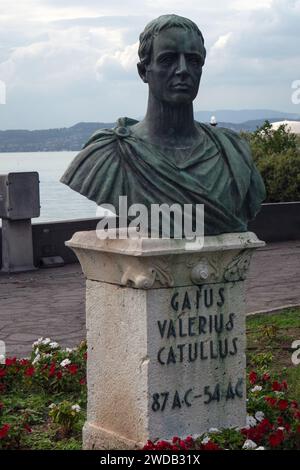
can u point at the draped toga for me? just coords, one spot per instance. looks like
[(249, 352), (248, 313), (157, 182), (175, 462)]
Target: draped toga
[(219, 172)]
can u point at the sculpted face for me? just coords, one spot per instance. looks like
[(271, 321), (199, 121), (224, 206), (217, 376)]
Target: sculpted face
[(176, 65)]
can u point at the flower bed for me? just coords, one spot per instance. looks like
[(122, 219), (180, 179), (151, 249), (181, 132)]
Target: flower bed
[(43, 397)]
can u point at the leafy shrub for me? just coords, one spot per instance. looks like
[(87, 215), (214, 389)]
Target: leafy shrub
[(277, 156), (66, 415), (281, 174)]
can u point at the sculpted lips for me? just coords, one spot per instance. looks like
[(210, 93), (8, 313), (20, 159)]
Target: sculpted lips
[(181, 86)]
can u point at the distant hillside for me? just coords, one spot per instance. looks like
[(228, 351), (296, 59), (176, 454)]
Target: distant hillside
[(73, 138), (66, 138), (243, 115)]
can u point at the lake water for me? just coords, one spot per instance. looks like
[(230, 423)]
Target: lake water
[(58, 201)]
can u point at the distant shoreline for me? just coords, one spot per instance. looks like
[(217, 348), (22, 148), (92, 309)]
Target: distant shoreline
[(72, 139)]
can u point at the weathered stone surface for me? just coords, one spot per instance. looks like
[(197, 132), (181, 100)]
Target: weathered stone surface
[(164, 358), (277, 264), (155, 263)]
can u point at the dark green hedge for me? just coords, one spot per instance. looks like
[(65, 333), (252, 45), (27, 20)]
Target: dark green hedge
[(277, 157)]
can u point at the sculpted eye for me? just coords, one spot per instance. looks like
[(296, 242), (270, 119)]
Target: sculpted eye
[(194, 60), (167, 59)]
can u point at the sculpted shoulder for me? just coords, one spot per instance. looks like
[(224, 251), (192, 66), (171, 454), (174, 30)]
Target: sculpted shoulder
[(121, 130), (230, 141)]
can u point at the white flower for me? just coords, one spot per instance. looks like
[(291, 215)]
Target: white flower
[(53, 405), (257, 388), (76, 408), (36, 359), (54, 345), (37, 343), (47, 355), (69, 350), (250, 422), (65, 362), (214, 430), (259, 416), (260, 448), (249, 445), (280, 428), (205, 440), (46, 341)]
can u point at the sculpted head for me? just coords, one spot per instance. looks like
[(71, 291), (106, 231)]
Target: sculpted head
[(172, 55)]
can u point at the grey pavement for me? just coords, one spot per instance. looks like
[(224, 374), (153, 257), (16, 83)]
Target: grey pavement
[(51, 302)]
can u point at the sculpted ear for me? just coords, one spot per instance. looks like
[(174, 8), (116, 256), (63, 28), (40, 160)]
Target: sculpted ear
[(142, 72)]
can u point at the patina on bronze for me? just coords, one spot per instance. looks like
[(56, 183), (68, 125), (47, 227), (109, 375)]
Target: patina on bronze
[(168, 157)]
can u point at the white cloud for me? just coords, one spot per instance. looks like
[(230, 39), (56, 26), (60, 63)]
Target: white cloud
[(118, 65), (221, 42), (245, 5), (53, 51)]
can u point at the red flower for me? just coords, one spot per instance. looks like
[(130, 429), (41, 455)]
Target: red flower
[(72, 368), (270, 400), (284, 384), (149, 446), (82, 381), (28, 428), (283, 405), (2, 372), (265, 425), (266, 377), (280, 420), (276, 387), (252, 377), (189, 441), (29, 371), (297, 414), (276, 439), (85, 356), (210, 446), (59, 375), (287, 427), (24, 362), (163, 445), (10, 361), (4, 430), (294, 404), (52, 369)]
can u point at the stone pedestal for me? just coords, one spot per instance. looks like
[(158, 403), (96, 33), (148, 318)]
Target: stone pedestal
[(166, 336)]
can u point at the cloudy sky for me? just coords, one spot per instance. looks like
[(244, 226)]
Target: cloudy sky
[(65, 61)]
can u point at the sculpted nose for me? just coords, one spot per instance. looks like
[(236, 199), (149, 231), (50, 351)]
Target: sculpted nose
[(182, 66)]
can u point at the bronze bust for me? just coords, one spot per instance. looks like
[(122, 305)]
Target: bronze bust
[(168, 157)]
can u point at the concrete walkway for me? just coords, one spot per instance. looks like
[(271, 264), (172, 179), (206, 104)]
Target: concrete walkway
[(50, 302)]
